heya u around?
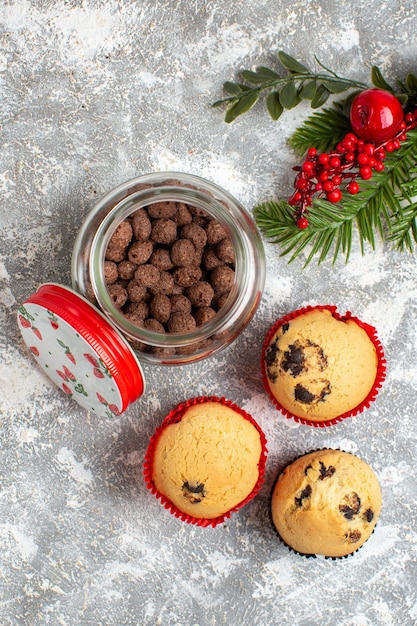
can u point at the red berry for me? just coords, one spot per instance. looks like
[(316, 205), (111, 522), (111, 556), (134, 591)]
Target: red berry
[(308, 167), (301, 183), (379, 166), (323, 158), (334, 162), (351, 137), (353, 187), (312, 152), (362, 159), (302, 223), (376, 115), (334, 196), (365, 172), (328, 186)]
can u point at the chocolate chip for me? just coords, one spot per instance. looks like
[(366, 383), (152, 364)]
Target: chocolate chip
[(270, 360), (353, 536), (303, 395), (350, 505), (305, 493), (193, 492), (326, 472), (369, 514), (285, 327), (294, 359)]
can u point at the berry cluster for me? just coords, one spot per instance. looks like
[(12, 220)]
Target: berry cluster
[(330, 174)]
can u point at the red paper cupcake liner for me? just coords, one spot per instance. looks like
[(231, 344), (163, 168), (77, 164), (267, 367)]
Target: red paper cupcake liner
[(379, 378), (307, 555), (174, 417)]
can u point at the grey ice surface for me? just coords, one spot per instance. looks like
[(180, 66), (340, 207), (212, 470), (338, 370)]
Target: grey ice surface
[(93, 93)]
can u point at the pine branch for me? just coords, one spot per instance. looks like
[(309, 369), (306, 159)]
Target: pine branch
[(386, 206), (322, 130)]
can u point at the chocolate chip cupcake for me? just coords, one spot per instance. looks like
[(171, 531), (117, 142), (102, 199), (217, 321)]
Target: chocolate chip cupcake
[(206, 460), (320, 367), (326, 503)]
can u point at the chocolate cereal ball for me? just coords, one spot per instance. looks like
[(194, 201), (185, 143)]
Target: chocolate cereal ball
[(110, 272), (141, 225), (200, 294), (164, 231), (118, 294), (126, 269), (122, 236), (161, 258), (140, 252), (182, 252), (215, 232), (194, 233), (222, 278), (187, 276), (147, 275), (136, 291), (181, 323), (204, 314), (162, 209), (160, 308), (180, 304)]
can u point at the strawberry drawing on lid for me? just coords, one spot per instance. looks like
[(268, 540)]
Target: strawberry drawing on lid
[(53, 319), (25, 318), (67, 351), (70, 375), (66, 389), (99, 368)]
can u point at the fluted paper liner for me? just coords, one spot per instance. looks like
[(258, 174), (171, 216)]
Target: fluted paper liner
[(174, 417), (379, 378)]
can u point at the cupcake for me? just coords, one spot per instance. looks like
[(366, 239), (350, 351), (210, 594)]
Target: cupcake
[(326, 503), (206, 460), (320, 367)]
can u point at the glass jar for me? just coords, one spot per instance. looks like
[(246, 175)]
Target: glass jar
[(232, 317)]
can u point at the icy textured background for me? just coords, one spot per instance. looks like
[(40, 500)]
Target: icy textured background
[(94, 93)]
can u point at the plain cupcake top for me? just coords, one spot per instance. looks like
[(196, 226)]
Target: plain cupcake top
[(208, 462)]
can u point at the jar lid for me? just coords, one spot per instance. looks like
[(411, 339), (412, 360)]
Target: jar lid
[(80, 350)]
